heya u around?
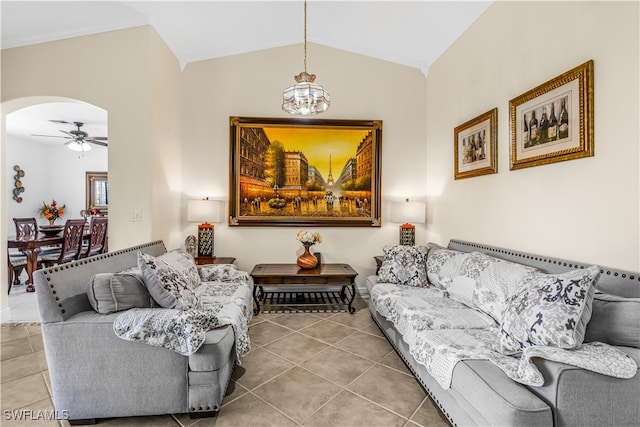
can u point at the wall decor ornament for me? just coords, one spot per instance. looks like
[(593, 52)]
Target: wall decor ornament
[(475, 146), (553, 122), (292, 172), (18, 187)]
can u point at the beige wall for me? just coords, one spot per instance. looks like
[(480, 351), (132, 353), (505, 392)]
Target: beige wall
[(251, 85), (585, 209), (131, 74)]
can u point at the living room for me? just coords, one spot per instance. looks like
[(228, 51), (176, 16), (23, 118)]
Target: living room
[(169, 133), (183, 115)]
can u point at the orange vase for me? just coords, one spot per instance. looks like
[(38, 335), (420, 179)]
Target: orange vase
[(307, 259)]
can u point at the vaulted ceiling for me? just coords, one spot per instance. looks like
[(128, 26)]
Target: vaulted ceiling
[(412, 33)]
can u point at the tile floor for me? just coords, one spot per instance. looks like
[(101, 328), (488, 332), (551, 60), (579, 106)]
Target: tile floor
[(304, 369), (23, 306)]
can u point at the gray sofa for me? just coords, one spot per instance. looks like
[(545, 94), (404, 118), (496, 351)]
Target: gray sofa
[(95, 374), (482, 394)]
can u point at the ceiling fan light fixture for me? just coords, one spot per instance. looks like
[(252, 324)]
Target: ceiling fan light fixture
[(305, 97), (79, 146)]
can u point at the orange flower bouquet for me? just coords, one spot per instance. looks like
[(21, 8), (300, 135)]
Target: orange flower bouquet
[(52, 212)]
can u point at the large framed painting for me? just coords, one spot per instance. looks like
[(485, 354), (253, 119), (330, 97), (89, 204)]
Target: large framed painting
[(293, 172), (554, 121), (475, 146)]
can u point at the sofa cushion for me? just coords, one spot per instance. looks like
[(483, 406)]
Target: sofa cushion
[(168, 286), (550, 310), (583, 398), (614, 320), (404, 265), (495, 399), (111, 292)]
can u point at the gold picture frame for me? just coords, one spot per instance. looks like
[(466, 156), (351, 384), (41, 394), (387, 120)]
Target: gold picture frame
[(292, 172), (475, 146), (553, 122)]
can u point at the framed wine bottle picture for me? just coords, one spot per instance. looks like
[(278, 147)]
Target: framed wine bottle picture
[(475, 146), (554, 121)]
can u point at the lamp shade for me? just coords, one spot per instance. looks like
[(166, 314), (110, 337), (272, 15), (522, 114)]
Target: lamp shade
[(77, 146), (408, 212), (204, 210)]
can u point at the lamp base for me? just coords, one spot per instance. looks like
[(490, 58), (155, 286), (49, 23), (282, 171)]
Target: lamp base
[(205, 240), (407, 235)]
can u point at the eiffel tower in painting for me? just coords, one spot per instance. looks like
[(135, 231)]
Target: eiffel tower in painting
[(330, 177)]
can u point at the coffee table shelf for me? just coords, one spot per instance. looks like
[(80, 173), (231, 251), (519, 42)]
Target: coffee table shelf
[(327, 284)]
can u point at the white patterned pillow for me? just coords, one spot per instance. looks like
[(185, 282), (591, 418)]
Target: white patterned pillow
[(549, 310), (443, 265), (184, 263), (486, 282), (404, 265), (168, 286)]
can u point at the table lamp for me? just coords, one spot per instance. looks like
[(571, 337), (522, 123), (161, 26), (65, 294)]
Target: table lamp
[(406, 213), (203, 211)]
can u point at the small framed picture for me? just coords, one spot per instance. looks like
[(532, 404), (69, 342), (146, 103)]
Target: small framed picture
[(475, 146), (554, 121)]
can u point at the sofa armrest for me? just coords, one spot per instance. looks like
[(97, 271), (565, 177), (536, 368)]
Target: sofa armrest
[(581, 397), (95, 374)]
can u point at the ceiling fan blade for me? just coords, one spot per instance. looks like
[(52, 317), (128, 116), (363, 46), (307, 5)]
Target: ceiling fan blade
[(93, 141), (52, 136), (69, 133), (61, 122), (100, 138)]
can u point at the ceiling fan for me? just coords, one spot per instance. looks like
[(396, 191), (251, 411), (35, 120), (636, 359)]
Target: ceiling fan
[(79, 139)]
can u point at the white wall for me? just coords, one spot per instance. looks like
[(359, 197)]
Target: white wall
[(585, 209), (50, 172)]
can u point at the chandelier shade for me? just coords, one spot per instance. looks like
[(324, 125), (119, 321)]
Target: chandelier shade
[(305, 97)]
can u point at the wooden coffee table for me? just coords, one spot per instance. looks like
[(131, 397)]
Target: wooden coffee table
[(322, 283)]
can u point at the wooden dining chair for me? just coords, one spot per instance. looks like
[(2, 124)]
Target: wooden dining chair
[(71, 246), (98, 240), (17, 261)]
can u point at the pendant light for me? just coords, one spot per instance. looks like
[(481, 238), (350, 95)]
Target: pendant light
[(305, 97)]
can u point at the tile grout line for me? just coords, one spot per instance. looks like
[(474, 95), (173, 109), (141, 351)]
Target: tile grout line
[(342, 388)]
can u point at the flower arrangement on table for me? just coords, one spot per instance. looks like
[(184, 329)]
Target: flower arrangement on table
[(308, 238), (52, 212)]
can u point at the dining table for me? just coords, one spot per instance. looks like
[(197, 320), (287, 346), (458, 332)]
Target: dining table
[(31, 245)]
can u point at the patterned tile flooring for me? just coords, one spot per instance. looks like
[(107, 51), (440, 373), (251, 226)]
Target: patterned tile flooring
[(304, 369)]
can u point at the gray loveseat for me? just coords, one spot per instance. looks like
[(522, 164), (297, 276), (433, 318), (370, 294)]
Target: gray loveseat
[(482, 394), (95, 374)]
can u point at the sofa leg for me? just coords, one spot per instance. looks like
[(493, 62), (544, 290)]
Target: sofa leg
[(208, 414), (81, 422)]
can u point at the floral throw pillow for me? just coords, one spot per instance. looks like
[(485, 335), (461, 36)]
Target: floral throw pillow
[(168, 286), (548, 310), (443, 265), (184, 263), (404, 265), (486, 282)]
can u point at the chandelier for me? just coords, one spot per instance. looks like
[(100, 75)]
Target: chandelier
[(305, 97)]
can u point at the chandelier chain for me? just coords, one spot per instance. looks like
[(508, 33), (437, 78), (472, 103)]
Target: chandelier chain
[(305, 36)]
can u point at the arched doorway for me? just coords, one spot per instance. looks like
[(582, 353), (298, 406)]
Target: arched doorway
[(51, 169)]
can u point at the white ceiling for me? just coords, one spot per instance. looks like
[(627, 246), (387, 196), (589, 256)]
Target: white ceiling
[(412, 33)]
